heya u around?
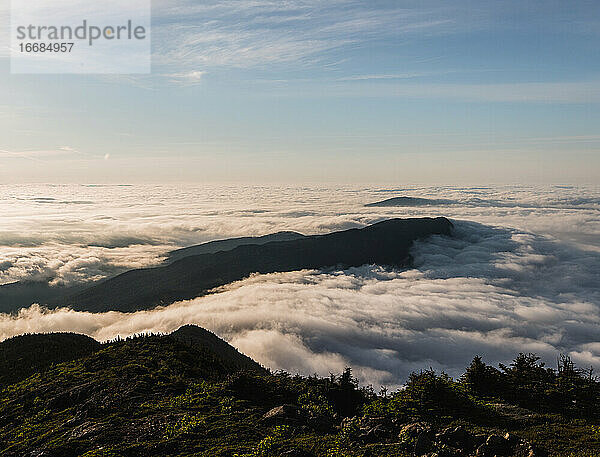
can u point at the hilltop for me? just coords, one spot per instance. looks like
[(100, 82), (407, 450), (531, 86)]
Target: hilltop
[(192, 394)]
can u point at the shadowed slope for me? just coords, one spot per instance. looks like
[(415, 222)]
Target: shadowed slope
[(386, 243), (231, 243), (195, 336), (24, 355), (19, 294)]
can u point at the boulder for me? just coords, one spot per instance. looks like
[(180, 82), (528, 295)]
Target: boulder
[(413, 430), (478, 440), (285, 414), (423, 442), (457, 438), (369, 429), (524, 448)]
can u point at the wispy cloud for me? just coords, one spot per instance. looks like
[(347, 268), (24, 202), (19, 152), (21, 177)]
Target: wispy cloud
[(246, 33), (46, 154), (188, 78), (581, 92), (390, 76), (37, 155)]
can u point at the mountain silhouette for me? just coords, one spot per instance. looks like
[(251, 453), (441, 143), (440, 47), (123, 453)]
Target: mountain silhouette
[(386, 243), (199, 337), (410, 201), (23, 355), (231, 243), (20, 294)]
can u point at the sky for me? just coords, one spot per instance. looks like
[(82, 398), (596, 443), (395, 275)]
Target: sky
[(384, 91)]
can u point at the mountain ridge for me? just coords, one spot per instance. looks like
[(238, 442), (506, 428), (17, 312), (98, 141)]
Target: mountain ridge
[(385, 243), (228, 244)]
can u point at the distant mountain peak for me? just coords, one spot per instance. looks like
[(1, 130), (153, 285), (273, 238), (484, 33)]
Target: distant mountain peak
[(411, 201)]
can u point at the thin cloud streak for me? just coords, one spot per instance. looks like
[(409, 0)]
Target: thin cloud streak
[(248, 34)]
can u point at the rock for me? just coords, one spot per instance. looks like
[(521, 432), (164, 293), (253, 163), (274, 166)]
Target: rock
[(374, 421), (457, 438), (450, 452), (483, 451), (478, 440), (512, 439), (413, 429), (525, 449), (285, 414), (419, 437), (374, 434), (70, 397), (424, 442), (369, 429), (494, 446)]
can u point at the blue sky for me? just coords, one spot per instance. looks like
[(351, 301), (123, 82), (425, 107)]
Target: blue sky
[(329, 91)]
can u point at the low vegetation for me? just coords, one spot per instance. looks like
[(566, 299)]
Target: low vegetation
[(168, 396)]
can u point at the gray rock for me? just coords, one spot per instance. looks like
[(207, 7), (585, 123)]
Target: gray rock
[(285, 414), (423, 442), (414, 429)]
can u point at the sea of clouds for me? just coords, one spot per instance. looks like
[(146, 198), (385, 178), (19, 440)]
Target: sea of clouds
[(522, 272)]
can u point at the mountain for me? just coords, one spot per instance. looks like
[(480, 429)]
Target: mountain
[(186, 395), (20, 294), (198, 337), (21, 356), (385, 243), (231, 243), (411, 201)]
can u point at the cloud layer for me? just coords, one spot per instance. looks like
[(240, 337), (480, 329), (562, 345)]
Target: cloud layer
[(73, 233), (490, 290)]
